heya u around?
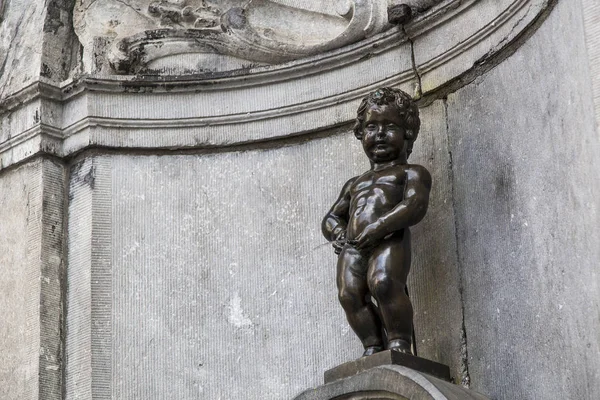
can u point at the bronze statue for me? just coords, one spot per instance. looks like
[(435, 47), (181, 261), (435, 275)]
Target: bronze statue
[(368, 224)]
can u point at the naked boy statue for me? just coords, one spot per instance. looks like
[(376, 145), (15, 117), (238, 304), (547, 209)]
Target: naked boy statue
[(368, 224)]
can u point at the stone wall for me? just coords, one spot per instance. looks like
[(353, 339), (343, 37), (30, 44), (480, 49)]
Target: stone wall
[(31, 283), (525, 176), (196, 266), (214, 279), (36, 41), (591, 22)]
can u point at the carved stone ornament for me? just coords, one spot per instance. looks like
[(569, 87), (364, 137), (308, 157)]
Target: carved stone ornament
[(210, 35), (201, 98)]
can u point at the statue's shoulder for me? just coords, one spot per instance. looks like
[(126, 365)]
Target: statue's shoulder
[(418, 173), (348, 185)]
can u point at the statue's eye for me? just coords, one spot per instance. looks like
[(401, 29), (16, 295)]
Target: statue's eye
[(393, 127), (371, 127)]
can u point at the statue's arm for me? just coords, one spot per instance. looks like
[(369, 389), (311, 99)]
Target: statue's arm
[(413, 208), (336, 221)]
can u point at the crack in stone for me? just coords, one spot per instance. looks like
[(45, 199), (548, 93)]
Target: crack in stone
[(490, 60), (510, 33), (135, 10), (419, 88), (465, 378), (89, 5)]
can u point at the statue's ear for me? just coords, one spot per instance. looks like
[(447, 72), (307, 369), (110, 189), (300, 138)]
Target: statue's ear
[(410, 134)]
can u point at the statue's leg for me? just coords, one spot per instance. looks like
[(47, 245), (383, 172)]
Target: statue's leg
[(389, 265), (352, 291)]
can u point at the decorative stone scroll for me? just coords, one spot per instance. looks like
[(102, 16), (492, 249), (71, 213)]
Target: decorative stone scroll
[(203, 35)]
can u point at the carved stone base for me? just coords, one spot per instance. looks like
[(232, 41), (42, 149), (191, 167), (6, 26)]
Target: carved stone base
[(388, 357), (389, 375), (390, 382)]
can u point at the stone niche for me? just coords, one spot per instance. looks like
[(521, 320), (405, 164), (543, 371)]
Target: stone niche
[(164, 167)]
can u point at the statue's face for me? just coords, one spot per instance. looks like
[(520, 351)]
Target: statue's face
[(383, 136)]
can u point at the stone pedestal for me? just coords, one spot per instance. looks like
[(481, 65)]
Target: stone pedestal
[(392, 380), (388, 357)]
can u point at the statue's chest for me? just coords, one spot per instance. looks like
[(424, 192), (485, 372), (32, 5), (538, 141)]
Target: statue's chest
[(390, 182)]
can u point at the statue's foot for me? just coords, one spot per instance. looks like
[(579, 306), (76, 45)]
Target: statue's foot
[(369, 351), (400, 345)]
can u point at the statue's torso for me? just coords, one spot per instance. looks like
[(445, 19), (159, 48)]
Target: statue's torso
[(373, 194)]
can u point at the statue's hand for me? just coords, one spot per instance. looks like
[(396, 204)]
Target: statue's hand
[(339, 243), (369, 237)]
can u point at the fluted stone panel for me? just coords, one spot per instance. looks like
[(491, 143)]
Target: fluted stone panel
[(89, 294), (525, 158), (31, 262), (222, 283), (591, 21), (52, 280), (434, 278), (78, 383), (20, 234)]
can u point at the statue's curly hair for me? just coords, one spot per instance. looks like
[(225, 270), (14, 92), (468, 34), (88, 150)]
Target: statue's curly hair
[(407, 108)]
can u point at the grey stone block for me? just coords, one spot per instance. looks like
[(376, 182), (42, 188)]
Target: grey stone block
[(36, 43), (434, 282), (89, 294), (388, 357), (31, 280), (525, 161), (591, 19)]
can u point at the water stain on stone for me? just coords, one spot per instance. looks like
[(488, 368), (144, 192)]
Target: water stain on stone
[(504, 181)]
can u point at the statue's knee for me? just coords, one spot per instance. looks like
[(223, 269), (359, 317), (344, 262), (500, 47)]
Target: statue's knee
[(382, 287), (349, 299)]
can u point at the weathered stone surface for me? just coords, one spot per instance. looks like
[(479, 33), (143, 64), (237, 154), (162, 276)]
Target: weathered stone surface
[(148, 36), (433, 282), (211, 281), (20, 41), (20, 298), (31, 265), (88, 344), (201, 112), (388, 357), (525, 161), (35, 41), (393, 382), (591, 18), (471, 36)]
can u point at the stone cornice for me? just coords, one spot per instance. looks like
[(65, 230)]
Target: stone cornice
[(263, 103)]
